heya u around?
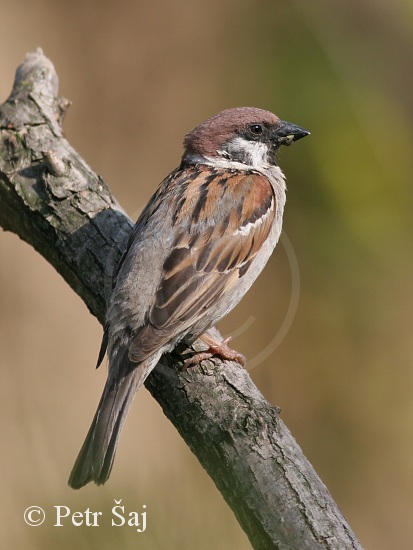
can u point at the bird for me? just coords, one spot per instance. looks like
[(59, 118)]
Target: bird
[(195, 250)]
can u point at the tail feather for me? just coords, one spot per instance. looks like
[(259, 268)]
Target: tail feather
[(95, 459)]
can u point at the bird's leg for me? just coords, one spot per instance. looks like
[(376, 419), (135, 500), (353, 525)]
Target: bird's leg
[(215, 347)]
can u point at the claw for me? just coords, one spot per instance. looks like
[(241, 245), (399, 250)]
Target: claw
[(215, 348)]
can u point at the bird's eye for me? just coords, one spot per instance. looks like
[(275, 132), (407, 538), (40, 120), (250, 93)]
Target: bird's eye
[(256, 129)]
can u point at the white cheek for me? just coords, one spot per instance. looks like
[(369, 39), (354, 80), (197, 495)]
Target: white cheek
[(255, 151), (258, 152)]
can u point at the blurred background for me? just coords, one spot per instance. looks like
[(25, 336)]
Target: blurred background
[(140, 75)]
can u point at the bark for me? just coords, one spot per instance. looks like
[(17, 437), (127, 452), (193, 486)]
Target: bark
[(55, 202)]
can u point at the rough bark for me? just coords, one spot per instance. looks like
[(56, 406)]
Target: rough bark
[(54, 201)]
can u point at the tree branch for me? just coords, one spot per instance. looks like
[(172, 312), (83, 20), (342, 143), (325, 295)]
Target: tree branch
[(53, 200)]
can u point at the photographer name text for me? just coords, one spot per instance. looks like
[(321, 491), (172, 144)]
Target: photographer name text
[(63, 516)]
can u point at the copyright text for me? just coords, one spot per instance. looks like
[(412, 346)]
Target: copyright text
[(63, 516)]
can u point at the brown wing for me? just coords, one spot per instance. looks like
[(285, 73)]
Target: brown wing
[(213, 249)]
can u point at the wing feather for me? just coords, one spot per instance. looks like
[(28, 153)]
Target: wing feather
[(213, 249)]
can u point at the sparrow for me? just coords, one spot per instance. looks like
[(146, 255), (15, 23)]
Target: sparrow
[(195, 250)]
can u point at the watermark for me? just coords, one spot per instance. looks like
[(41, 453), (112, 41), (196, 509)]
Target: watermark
[(63, 516), (34, 516), (282, 331)]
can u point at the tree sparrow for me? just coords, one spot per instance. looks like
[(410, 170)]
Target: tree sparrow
[(198, 246)]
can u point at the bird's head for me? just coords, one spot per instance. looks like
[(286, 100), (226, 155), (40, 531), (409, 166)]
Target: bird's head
[(243, 136)]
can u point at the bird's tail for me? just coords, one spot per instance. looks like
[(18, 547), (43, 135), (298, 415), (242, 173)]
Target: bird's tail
[(95, 460)]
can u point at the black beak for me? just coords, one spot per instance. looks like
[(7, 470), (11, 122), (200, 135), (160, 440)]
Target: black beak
[(286, 133)]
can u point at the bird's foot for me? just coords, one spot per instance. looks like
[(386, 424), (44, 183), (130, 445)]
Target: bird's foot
[(215, 348)]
